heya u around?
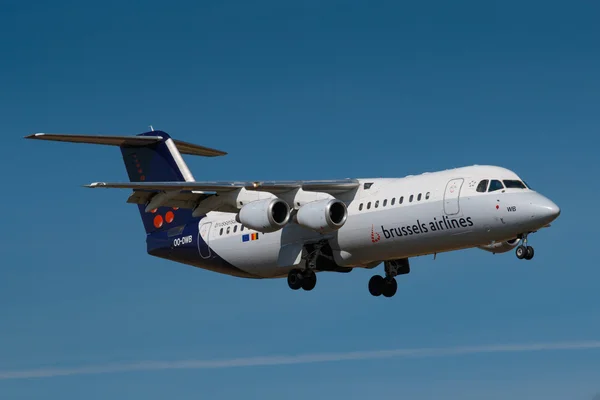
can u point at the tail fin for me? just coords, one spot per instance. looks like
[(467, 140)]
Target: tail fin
[(157, 162), (149, 157)]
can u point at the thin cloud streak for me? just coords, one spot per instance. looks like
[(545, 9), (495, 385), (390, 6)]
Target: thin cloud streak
[(294, 359)]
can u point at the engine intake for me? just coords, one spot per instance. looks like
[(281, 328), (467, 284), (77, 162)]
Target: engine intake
[(501, 247), (268, 215), (323, 215)]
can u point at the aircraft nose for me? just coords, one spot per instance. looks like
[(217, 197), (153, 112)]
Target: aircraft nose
[(547, 210)]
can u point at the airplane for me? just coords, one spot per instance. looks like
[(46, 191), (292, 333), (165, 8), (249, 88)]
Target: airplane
[(295, 229)]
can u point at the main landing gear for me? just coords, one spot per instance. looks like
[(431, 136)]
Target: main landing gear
[(305, 279), (388, 286), (524, 251)]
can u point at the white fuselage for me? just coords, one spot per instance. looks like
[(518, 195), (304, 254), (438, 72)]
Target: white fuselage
[(392, 219)]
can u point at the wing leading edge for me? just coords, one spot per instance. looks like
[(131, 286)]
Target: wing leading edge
[(216, 187), (190, 194)]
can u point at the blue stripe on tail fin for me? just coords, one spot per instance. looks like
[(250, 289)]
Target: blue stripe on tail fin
[(157, 162)]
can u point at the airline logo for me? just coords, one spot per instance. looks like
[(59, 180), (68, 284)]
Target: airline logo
[(249, 237), (159, 220), (443, 224), (375, 236)]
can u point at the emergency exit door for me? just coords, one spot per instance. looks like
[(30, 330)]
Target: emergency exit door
[(203, 239), (452, 196)]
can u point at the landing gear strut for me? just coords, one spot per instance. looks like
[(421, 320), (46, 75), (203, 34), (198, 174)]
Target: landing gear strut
[(524, 251), (306, 278), (388, 286)]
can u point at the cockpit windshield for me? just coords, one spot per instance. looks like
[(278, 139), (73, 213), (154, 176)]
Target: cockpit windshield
[(514, 184), (495, 185), (482, 185), (487, 185)]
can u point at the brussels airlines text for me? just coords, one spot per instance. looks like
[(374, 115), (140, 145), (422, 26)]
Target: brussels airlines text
[(442, 224)]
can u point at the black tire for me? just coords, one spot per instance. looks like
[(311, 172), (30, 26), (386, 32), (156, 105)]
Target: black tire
[(529, 253), (295, 279), (521, 252), (390, 287), (376, 285), (309, 281)]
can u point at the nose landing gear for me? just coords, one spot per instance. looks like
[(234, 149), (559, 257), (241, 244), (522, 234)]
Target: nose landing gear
[(524, 251)]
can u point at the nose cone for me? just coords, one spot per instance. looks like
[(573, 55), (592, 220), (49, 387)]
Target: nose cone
[(546, 210)]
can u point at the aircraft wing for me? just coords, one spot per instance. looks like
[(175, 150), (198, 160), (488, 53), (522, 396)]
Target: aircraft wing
[(331, 187), (190, 194), (178, 199)]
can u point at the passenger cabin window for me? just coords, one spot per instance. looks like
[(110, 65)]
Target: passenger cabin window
[(235, 229), (393, 201), (514, 184), (368, 205), (242, 228), (360, 207), (495, 185), (221, 232), (401, 200), (410, 199), (228, 230), (377, 204), (427, 196), (385, 202), (419, 197), (482, 186)]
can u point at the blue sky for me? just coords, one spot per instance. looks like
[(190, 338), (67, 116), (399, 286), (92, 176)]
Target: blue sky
[(296, 90)]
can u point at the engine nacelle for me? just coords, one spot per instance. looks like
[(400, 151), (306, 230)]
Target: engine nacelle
[(323, 216), (268, 215), (501, 247)]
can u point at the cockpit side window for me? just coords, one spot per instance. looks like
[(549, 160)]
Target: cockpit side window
[(495, 185), (514, 184), (482, 186)]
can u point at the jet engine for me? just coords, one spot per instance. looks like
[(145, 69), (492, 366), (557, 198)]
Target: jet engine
[(501, 247), (323, 216), (268, 215)]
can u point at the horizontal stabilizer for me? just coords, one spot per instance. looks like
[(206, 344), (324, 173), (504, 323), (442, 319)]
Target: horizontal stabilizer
[(183, 147)]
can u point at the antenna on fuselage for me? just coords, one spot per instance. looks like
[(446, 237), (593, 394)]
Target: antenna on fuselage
[(151, 128)]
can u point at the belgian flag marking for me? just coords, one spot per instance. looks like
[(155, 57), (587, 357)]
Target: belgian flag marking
[(249, 236)]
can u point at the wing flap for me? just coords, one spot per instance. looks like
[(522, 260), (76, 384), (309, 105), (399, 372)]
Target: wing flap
[(181, 200)]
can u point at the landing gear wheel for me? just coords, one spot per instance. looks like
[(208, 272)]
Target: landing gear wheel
[(309, 281), (390, 286), (295, 279), (529, 253), (376, 284), (521, 252)]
